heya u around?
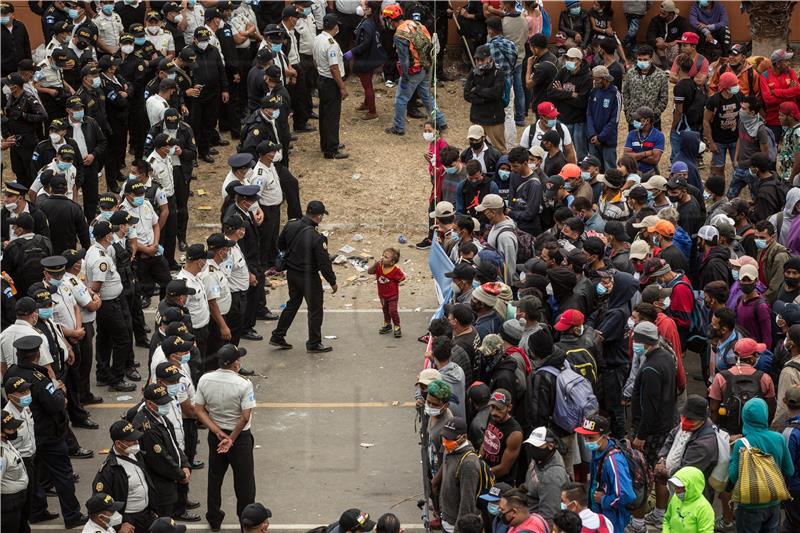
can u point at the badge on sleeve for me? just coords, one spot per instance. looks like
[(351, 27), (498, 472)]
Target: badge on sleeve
[(157, 448), (103, 267), (98, 487)]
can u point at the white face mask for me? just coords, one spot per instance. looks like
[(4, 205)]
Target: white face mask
[(115, 519), (253, 208), (202, 45), (132, 450), (360, 11), (178, 19), (432, 411), (153, 30), (221, 24), (55, 138), (11, 207), (127, 48), (428, 136)]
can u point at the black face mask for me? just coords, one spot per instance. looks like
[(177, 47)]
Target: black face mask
[(503, 518), (747, 288), (476, 145), (539, 454), (11, 435), (792, 282)]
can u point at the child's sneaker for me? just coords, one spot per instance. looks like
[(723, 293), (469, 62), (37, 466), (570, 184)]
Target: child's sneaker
[(397, 332), (385, 329)]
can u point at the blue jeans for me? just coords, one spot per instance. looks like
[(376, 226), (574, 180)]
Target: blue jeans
[(519, 95), (606, 154), (405, 89), (633, 28), (740, 178), (579, 140), (767, 520), (675, 144), (718, 159)]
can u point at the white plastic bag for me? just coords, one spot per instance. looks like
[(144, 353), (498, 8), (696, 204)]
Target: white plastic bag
[(719, 476)]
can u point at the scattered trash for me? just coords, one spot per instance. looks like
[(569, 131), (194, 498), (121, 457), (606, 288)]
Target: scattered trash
[(395, 403), (402, 239), (201, 192), (358, 263), (356, 176), (346, 249), (357, 237), (417, 309), (104, 451), (282, 307), (340, 260), (331, 337), (367, 444), (124, 398)]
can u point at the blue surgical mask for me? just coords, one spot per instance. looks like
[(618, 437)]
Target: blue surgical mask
[(585, 176), (78, 115), (735, 89), (139, 41), (96, 82), (306, 11), (63, 165), (26, 400), (56, 283), (73, 13), (703, 3), (570, 65), (493, 509), (138, 201), (275, 114), (650, 196), (191, 3), (564, 506), (174, 389), (106, 215), (601, 289), (450, 170), (643, 65), (551, 123), (761, 243), (185, 358), (171, 76), (164, 410), (735, 275), (276, 48), (638, 349), (592, 445), (5, 20), (575, 11), (108, 9), (504, 174), (45, 313), (172, 150), (637, 124)]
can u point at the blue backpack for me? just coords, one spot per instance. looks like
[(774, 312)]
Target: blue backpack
[(575, 397), (546, 22)]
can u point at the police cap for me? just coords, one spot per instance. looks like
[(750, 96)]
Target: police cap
[(25, 306), (172, 315), (54, 264), (23, 220), (202, 34), (171, 7), (171, 118), (315, 207), (198, 251), (73, 256), (230, 353), (153, 15), (157, 394), (57, 125), (100, 502), (216, 241), (240, 160), (247, 191), (167, 525), (16, 384), (135, 188), (74, 102), (62, 26), (60, 56), (6, 8), (58, 184), (89, 70), (101, 228), (274, 30), (14, 187), (270, 102), (212, 13), (40, 294), (125, 38), (273, 72), (264, 55), (15, 78), (124, 430), (136, 29), (66, 152), (107, 61), (266, 147), (27, 65), (122, 217), (163, 139), (178, 287), (254, 515), (28, 343), (169, 371), (188, 56), (179, 329), (84, 34), (9, 422), (108, 199), (166, 64), (235, 221)]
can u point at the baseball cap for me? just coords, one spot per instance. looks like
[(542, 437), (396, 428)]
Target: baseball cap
[(645, 331), (475, 132), (496, 492), (23, 220), (40, 294), (668, 6), (500, 398), (176, 327), (781, 54), (428, 376), (594, 425), (24, 307), (639, 249), (748, 272), (100, 501), (16, 384), (254, 514), (157, 394), (540, 436), (168, 371), (454, 428), (655, 183), (727, 80), (355, 520), (230, 353), (216, 241), (122, 217), (198, 251), (574, 53), (315, 207), (443, 209), (743, 260), (689, 37), (647, 222), (178, 287), (791, 109), (462, 271), (570, 171), (747, 346), (696, 407), (789, 312), (569, 319), (792, 397), (490, 201), (601, 71), (708, 233), (665, 228), (654, 267), (655, 292), (124, 430), (167, 525), (589, 161), (679, 167), (233, 222), (547, 110)]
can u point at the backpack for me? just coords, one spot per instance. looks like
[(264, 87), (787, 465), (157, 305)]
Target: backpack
[(641, 475), (698, 321), (421, 42), (584, 363), (559, 127), (525, 244), (575, 398), (603, 528), (485, 477), (546, 22), (738, 391), (773, 147), (35, 249)]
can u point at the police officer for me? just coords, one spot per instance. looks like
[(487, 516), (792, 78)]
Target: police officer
[(332, 90), (52, 86), (103, 513), (209, 75), (238, 279), (261, 125), (160, 159), (18, 392), (24, 113), (270, 197), (115, 90), (215, 281), (81, 46), (15, 479), (109, 27), (307, 256), (177, 293), (244, 24), (94, 101), (122, 224), (59, 38), (165, 461), (197, 303), (230, 112), (113, 334), (171, 10), (67, 221), (185, 62), (297, 86), (224, 403), (124, 477), (173, 96), (50, 427), (14, 203), (47, 149), (171, 314), (160, 38), (256, 84), (90, 135)]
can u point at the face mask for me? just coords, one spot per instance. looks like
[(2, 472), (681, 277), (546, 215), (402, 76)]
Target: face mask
[(476, 145), (504, 174), (78, 115), (106, 215), (360, 11), (735, 89), (153, 30), (539, 454), (631, 323), (449, 445), (63, 165), (115, 519), (172, 76), (455, 288), (171, 150), (191, 3), (432, 411), (747, 288), (73, 13), (275, 114), (56, 283), (164, 410), (450, 170), (428, 136), (46, 313), (649, 197), (221, 24), (551, 123), (761, 243), (585, 176), (703, 3), (575, 11), (667, 301), (202, 45), (178, 18), (11, 436), (126, 49), (172, 133), (592, 445), (138, 201), (643, 65), (637, 124), (26, 400), (139, 41), (174, 389), (681, 495), (55, 138), (5, 20), (601, 289), (11, 207), (638, 349), (96, 83), (185, 358), (493, 509), (276, 48), (253, 207), (108, 9)]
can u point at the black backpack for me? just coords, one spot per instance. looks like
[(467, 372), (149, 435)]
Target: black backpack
[(584, 363), (738, 391), (34, 250)]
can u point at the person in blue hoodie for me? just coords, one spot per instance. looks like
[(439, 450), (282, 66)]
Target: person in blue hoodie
[(755, 428), (610, 484), (792, 436), (602, 117)]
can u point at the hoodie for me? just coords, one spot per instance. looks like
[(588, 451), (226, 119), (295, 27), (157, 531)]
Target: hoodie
[(610, 474), (754, 428), (563, 281), (505, 242), (612, 319), (715, 266), (792, 436), (453, 375), (504, 377), (543, 386), (692, 514), (654, 395), (690, 151), (602, 114), (792, 197)]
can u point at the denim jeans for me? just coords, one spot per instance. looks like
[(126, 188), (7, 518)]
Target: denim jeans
[(718, 159), (606, 154), (405, 89), (740, 178), (633, 28), (767, 520), (519, 95), (675, 145), (579, 140)]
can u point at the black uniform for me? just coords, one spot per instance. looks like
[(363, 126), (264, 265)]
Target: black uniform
[(229, 118), (25, 115), (7, 303), (205, 108), (51, 16), (282, 123), (16, 46), (249, 244), (68, 224), (97, 145), (129, 13), (177, 35), (40, 225), (50, 428), (256, 88), (257, 129), (117, 109), (21, 260), (146, 66), (163, 457), (45, 152), (306, 257), (113, 480)]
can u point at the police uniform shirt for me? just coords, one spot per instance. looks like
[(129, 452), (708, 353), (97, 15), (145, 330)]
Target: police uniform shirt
[(225, 394), (279, 59), (18, 329), (266, 179), (162, 169), (231, 178), (196, 303), (156, 106), (160, 196), (100, 267), (294, 55), (79, 138), (25, 443), (109, 28), (241, 17), (51, 47), (195, 17), (214, 41), (93, 527), (147, 219), (82, 296), (162, 41), (326, 52), (69, 174), (138, 496), (307, 30), (216, 284), (50, 77), (64, 307), (187, 392), (12, 469), (239, 278)]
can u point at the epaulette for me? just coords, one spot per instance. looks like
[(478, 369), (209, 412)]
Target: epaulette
[(38, 375)]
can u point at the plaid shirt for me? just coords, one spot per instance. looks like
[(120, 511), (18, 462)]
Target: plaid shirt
[(504, 53)]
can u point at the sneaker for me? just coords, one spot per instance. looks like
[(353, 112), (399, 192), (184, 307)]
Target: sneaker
[(723, 526), (424, 244), (394, 131), (630, 529), (397, 332), (389, 83), (652, 520), (385, 329)]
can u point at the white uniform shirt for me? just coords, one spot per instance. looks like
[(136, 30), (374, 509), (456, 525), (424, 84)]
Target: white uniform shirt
[(294, 55), (230, 178), (266, 179), (93, 527), (215, 280), (162, 41), (326, 53), (50, 75), (100, 267), (188, 390), (240, 18), (64, 306), (138, 497), (147, 219), (25, 443), (51, 47), (70, 174), (225, 394), (318, 10), (156, 106), (82, 296), (109, 28), (12, 469), (160, 196), (196, 303), (239, 277), (162, 169), (307, 30), (18, 329), (195, 17)]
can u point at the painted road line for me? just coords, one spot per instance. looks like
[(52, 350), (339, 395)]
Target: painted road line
[(230, 527), (341, 311), (286, 405)]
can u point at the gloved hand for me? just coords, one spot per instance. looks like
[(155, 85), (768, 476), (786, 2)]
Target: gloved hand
[(348, 55), (159, 250)]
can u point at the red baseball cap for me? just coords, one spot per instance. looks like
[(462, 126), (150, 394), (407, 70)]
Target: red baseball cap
[(547, 110), (689, 37), (746, 347), (570, 171), (791, 109), (727, 80), (569, 319)]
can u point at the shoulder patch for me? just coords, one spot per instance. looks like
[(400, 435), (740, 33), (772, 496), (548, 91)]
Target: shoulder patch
[(330, 40), (98, 487), (103, 267), (325, 245), (256, 132), (74, 281), (38, 375), (157, 448), (141, 68)]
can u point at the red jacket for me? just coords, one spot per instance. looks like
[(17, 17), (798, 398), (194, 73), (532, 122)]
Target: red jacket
[(667, 329), (776, 89)]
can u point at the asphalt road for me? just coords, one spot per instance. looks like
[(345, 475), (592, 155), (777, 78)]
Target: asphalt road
[(332, 431)]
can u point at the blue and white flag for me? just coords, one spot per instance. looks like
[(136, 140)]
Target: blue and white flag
[(440, 264)]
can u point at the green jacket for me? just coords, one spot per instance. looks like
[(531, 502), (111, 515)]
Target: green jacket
[(694, 513)]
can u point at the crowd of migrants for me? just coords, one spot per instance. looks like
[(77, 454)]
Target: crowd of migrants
[(585, 268)]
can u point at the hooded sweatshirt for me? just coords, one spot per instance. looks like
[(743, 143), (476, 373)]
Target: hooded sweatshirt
[(613, 318), (453, 375), (610, 474), (754, 428), (690, 150), (792, 197), (505, 242), (460, 482), (543, 385), (693, 514)]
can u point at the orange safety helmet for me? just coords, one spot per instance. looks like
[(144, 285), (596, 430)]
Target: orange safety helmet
[(392, 11)]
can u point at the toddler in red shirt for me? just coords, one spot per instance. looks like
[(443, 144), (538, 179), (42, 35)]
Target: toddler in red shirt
[(389, 276)]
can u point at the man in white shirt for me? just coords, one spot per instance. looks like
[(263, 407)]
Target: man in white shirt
[(162, 40), (194, 15), (157, 104), (214, 21), (240, 171), (27, 315), (164, 147), (270, 197), (109, 27), (197, 303), (298, 88), (238, 278)]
